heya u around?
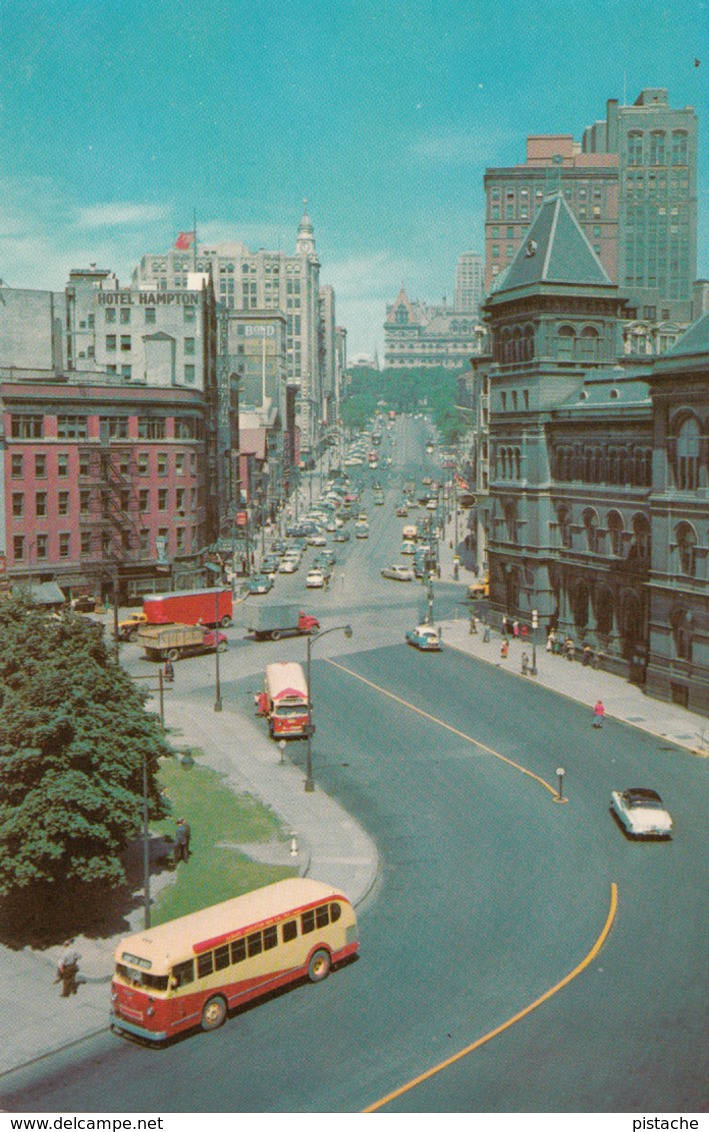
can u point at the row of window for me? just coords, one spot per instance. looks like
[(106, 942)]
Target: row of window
[(653, 149), (31, 426), (230, 954), (91, 499), (143, 463), (91, 542), (603, 464), (125, 315), (112, 342)]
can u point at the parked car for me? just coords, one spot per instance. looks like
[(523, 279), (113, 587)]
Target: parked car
[(259, 584), (270, 564), (315, 579), (341, 535), (84, 604), (128, 629), (408, 547), (317, 540), (288, 565), (424, 637), (361, 530), (398, 573), (641, 812), (402, 511)]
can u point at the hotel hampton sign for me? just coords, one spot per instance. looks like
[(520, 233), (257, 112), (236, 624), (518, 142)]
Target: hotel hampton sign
[(148, 298)]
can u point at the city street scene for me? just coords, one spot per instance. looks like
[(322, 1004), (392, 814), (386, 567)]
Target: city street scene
[(354, 585)]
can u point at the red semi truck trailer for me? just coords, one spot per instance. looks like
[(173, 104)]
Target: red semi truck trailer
[(190, 607)]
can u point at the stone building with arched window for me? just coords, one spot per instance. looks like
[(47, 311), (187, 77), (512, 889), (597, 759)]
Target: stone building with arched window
[(597, 513)]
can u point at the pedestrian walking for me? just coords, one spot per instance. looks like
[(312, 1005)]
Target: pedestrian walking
[(551, 640), (523, 632), (505, 624), (569, 649), (525, 664), (486, 634), (68, 969), (515, 628), (169, 671), (586, 656), (473, 625), (182, 841), (598, 713), (504, 648)]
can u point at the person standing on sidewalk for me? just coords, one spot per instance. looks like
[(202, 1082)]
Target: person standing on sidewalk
[(598, 713), (68, 969), (525, 664), (504, 648)]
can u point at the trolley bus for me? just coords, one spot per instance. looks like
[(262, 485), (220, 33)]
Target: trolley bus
[(189, 972)]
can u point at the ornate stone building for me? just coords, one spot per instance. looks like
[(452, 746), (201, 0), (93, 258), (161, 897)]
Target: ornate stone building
[(597, 513)]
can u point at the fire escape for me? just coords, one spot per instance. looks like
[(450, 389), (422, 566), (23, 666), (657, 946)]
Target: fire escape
[(110, 511)]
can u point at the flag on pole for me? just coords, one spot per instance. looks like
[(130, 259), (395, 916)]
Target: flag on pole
[(184, 240), (461, 483)]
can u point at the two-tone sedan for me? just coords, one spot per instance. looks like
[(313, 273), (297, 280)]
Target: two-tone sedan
[(424, 637), (398, 573), (259, 584), (641, 812)]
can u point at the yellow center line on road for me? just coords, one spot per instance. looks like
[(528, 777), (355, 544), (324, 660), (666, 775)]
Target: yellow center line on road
[(453, 730), (510, 1021)]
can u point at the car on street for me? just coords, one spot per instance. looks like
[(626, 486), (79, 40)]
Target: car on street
[(361, 530), (297, 530), (424, 637), (270, 564), (288, 566), (402, 511), (317, 540), (128, 629), (341, 535), (641, 812), (408, 547), (398, 573), (315, 579), (259, 584), (84, 604)]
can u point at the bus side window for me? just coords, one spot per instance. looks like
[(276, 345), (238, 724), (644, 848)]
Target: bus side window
[(183, 973), (308, 922), (335, 913), (322, 916), (221, 957), (238, 950), (270, 938), (205, 964), (290, 931), (254, 943)]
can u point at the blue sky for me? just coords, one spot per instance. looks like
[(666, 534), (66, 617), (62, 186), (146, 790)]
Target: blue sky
[(118, 119)]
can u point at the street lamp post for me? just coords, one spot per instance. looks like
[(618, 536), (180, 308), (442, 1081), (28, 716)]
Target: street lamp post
[(347, 630), (535, 623), (218, 688), (187, 761)]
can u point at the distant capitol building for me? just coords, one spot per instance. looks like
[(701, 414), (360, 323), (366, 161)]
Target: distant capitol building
[(419, 335)]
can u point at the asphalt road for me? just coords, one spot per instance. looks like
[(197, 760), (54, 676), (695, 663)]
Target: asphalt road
[(490, 894)]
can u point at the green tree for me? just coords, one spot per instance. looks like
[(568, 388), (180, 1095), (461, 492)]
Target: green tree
[(73, 735)]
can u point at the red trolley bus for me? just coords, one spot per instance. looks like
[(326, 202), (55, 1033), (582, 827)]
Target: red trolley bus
[(189, 972)]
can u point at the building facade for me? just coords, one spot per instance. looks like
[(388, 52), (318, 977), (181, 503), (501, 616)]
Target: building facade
[(261, 281), (416, 335), (469, 284), (595, 515)]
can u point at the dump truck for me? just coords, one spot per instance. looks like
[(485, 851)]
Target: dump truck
[(271, 622), (171, 642), (213, 606)]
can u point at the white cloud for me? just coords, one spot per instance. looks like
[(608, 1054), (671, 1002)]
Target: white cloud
[(125, 214), (477, 146)]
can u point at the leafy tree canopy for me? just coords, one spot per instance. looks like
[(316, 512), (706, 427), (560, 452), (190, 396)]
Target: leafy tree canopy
[(406, 391), (73, 735)]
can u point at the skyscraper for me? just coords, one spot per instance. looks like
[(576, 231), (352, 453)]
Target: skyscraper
[(469, 283)]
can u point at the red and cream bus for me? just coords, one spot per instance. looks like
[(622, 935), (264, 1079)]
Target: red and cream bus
[(189, 972)]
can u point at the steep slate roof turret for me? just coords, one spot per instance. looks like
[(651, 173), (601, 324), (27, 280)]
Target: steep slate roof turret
[(693, 343), (555, 251)]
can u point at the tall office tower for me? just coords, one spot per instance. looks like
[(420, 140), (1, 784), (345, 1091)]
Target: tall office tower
[(657, 214), (469, 283)]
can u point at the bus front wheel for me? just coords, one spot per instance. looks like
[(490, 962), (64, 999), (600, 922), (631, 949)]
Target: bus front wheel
[(319, 966), (214, 1013)]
